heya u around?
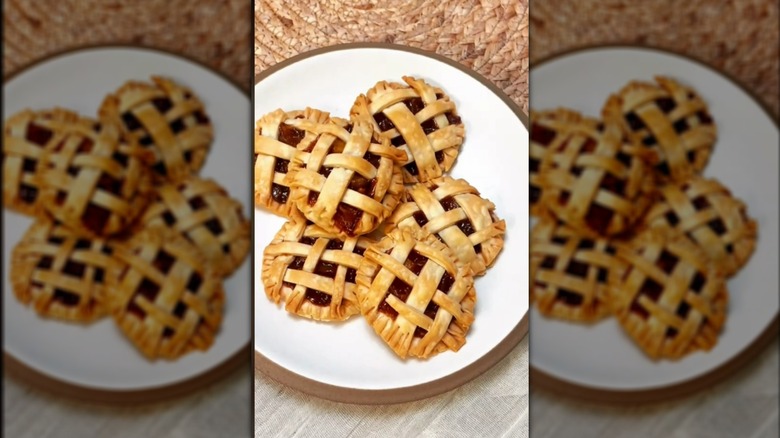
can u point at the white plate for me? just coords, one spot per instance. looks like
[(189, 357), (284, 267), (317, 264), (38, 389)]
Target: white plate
[(745, 159), (98, 356), (493, 159)]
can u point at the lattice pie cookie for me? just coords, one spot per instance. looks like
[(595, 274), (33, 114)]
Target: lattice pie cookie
[(593, 180), (453, 211), (709, 215), (62, 274), (545, 137), (203, 212), (312, 271), (26, 135), (414, 295), (166, 118), (419, 119), (671, 300), (279, 137), (570, 272), (92, 180), (349, 182), (668, 118), (167, 299)]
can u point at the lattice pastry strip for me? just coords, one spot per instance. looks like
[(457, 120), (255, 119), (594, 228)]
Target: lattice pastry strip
[(706, 212), (414, 295), (203, 212), (313, 272), (419, 119), (670, 299), (62, 274), (454, 211), (167, 300), (26, 135), (593, 180), (570, 272), (91, 180), (166, 118), (549, 132), (349, 183), (668, 118), (279, 137)]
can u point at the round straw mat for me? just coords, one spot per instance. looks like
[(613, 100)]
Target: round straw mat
[(490, 36), (217, 34), (740, 38)]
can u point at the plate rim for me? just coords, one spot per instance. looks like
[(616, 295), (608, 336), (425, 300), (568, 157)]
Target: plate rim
[(424, 390), (23, 372), (546, 381)]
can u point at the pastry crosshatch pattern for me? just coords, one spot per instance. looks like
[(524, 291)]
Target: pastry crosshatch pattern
[(627, 226), (376, 229), (123, 225)]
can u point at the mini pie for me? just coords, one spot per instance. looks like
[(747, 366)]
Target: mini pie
[(348, 184), (414, 295), (203, 212), (313, 272), (670, 299), (26, 135), (668, 118), (593, 180), (167, 300), (91, 180), (570, 272), (419, 119), (279, 137), (545, 136), (166, 118), (709, 215), (62, 274), (453, 211)]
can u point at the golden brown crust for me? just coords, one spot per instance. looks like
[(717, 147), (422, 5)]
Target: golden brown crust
[(417, 118), (671, 300), (302, 258), (545, 138), (706, 212), (92, 180), (28, 135), (62, 274), (670, 119), (412, 325), (203, 212), (350, 181), (273, 156), (570, 272), (167, 300), (594, 181), (453, 210), (166, 118)]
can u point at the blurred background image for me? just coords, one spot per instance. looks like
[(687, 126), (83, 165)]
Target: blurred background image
[(696, 78), (164, 350)]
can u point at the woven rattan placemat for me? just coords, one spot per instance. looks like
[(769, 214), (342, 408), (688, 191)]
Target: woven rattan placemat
[(218, 34), (739, 38), (490, 37)]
